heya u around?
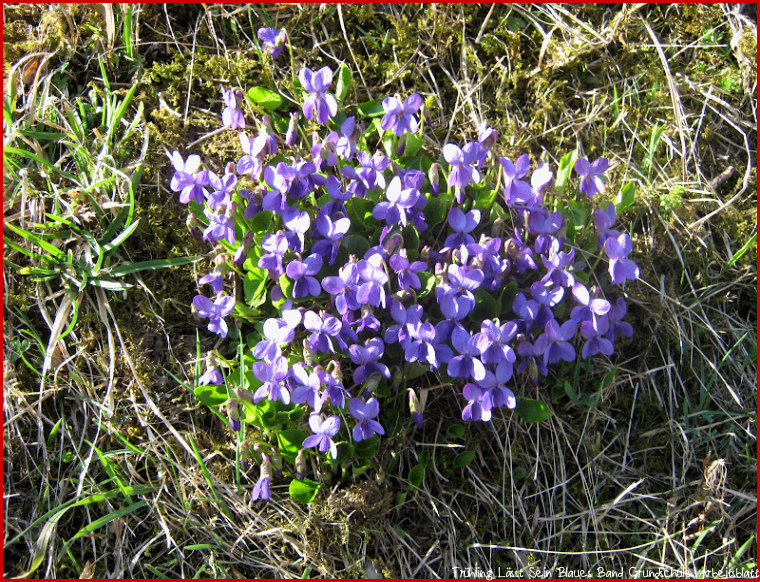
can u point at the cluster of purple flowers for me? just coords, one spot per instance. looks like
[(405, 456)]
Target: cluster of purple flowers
[(372, 313)]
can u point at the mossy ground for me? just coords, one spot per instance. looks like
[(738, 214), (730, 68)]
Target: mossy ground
[(622, 475)]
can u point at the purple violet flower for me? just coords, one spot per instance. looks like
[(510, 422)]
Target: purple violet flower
[(272, 375), (219, 227), (302, 275), (374, 277), (492, 341), (188, 180), (400, 201), (273, 39), (617, 325), (323, 330), (350, 132), (343, 287), (406, 272), (588, 308), (462, 172), (366, 357), (305, 387), (556, 266), (621, 268), (479, 403), (371, 172), (215, 310), (323, 431), (516, 191), (212, 376), (591, 183), (465, 365), (544, 225), (555, 341), (603, 221), (232, 116), (594, 332), (261, 490), (365, 413), (276, 246), (318, 102), (333, 233), (462, 224), (278, 332), (541, 180), (399, 117), (224, 187)]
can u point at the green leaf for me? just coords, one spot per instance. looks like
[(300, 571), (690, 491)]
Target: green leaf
[(532, 410), (368, 448), (484, 198), (304, 491), (371, 109), (414, 370), (436, 209), (255, 286), (413, 145), (416, 475), (355, 244), (411, 237), (625, 197), (576, 211), (566, 165), (290, 442), (211, 395), (486, 306), (343, 84), (455, 431), (428, 283), (267, 98), (463, 459)]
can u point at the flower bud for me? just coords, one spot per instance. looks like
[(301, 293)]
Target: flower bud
[(397, 378), (308, 353), (301, 464), (277, 462), (242, 252), (193, 225), (246, 455), (401, 146), (415, 408), (487, 137), (233, 415), (335, 372), (290, 136), (266, 467), (433, 176), (243, 394), (542, 179)]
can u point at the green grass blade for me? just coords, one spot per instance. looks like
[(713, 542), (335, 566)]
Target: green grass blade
[(152, 265), (34, 239), (49, 165), (124, 235), (748, 245), (106, 519), (206, 474)]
